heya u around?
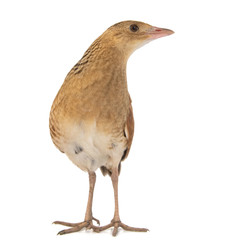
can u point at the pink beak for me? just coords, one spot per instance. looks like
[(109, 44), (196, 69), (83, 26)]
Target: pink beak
[(156, 32)]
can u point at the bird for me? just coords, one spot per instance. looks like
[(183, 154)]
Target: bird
[(91, 118)]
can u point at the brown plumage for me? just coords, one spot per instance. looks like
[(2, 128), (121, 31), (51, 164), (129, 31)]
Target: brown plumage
[(91, 119)]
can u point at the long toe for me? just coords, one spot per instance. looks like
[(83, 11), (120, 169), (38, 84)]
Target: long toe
[(118, 224), (74, 229), (133, 229), (67, 224), (96, 220)]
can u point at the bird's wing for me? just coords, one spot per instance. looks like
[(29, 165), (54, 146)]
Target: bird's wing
[(128, 133)]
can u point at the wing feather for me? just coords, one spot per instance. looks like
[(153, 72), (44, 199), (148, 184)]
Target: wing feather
[(128, 133)]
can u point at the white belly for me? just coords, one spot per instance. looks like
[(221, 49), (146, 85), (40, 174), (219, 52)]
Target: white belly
[(90, 149)]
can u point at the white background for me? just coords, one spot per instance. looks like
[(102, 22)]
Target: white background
[(181, 179)]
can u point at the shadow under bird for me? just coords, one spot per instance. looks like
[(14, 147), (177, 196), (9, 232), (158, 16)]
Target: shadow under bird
[(91, 118)]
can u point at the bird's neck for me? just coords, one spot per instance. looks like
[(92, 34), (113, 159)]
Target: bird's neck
[(102, 62)]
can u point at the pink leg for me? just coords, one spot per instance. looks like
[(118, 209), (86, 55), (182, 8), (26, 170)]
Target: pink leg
[(116, 223), (75, 227)]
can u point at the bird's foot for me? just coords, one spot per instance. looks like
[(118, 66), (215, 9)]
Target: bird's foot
[(117, 224), (75, 227)]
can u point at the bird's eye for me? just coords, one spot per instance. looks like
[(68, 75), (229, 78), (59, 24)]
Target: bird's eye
[(134, 28)]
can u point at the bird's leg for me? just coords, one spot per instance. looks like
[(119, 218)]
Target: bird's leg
[(88, 215), (116, 222), (75, 227)]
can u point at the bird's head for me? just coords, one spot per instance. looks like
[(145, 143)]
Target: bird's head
[(128, 36)]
